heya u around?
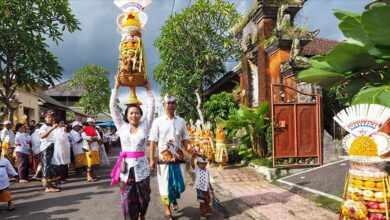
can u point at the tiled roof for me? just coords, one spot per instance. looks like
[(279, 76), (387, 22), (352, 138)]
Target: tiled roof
[(63, 89), (318, 46)]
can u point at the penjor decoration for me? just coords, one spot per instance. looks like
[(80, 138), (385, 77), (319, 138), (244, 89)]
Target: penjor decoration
[(367, 185), (132, 63)]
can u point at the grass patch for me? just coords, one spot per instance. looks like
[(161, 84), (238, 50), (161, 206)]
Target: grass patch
[(262, 162)]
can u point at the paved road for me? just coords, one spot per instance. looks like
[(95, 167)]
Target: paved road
[(328, 179), (82, 201)]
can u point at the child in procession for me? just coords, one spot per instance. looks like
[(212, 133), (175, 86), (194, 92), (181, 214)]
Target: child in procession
[(202, 184), (5, 194)]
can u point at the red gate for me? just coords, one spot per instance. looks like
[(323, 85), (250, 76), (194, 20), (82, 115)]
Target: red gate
[(296, 127)]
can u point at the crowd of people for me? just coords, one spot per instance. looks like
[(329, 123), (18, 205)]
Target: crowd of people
[(51, 148), (45, 151)]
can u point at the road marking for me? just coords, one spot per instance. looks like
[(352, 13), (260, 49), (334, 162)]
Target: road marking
[(311, 190), (302, 177), (316, 168)]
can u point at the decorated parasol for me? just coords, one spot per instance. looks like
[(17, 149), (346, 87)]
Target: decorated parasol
[(132, 62)]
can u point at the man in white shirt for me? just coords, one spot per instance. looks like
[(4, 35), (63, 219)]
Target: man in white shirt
[(7, 137), (169, 134)]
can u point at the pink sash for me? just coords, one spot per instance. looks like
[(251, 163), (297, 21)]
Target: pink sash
[(124, 154)]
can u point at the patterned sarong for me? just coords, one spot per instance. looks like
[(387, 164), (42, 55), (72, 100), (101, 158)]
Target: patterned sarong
[(49, 171), (135, 196)]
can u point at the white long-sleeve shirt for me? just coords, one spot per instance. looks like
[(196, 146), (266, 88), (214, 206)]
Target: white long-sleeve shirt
[(133, 142), (5, 170), (77, 147), (22, 143)]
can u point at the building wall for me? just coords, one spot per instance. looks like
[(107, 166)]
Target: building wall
[(28, 108)]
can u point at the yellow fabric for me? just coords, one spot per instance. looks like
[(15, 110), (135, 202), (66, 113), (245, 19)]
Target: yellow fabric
[(80, 160), (165, 200), (93, 158), (5, 195)]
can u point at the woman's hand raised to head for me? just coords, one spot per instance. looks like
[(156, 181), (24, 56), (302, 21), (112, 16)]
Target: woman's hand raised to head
[(117, 83)]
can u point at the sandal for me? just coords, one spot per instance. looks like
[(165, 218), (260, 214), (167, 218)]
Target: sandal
[(174, 205), (52, 189), (92, 180), (11, 207)]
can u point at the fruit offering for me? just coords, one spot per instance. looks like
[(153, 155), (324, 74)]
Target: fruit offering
[(354, 208)]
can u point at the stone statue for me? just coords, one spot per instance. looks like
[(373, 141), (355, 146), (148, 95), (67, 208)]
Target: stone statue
[(283, 20)]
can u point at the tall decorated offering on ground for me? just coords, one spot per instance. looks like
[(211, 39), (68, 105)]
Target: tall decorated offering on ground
[(367, 185), (132, 63), (221, 155)]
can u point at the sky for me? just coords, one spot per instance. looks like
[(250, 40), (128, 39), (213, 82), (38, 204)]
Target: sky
[(97, 42)]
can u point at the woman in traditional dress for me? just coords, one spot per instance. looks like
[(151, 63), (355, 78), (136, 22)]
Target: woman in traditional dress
[(22, 150), (132, 168), (80, 160), (49, 171), (91, 146)]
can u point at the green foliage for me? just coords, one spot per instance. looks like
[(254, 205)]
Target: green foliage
[(358, 67), (193, 46), (94, 81), (25, 28), (251, 124), (262, 162), (219, 105)]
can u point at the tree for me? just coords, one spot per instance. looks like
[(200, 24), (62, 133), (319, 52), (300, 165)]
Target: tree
[(25, 61), (194, 45), (220, 105), (358, 67), (94, 81)]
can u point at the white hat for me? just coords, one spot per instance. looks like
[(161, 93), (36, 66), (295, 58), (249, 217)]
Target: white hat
[(98, 127), (90, 120), (6, 122), (201, 160), (76, 123), (169, 98)]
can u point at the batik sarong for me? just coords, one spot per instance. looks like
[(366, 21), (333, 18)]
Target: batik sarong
[(135, 196), (49, 171), (23, 162)]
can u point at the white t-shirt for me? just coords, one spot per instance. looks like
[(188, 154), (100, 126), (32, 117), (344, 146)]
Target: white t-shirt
[(45, 142), (11, 136), (202, 179)]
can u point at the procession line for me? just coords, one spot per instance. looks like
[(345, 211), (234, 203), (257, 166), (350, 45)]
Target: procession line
[(312, 190), (311, 169)]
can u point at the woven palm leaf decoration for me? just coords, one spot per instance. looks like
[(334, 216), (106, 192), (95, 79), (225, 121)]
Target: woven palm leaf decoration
[(364, 141)]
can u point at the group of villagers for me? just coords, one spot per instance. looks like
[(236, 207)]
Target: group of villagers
[(46, 148), (168, 135)]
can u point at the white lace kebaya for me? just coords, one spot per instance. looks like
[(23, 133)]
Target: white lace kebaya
[(133, 142)]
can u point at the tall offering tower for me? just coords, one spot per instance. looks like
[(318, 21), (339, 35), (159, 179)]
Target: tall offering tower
[(132, 63), (367, 186)]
